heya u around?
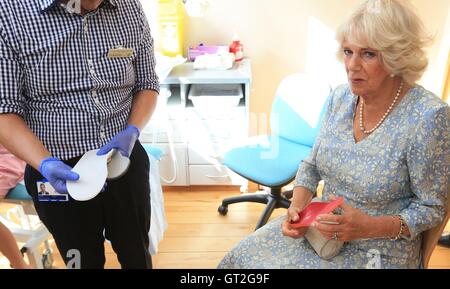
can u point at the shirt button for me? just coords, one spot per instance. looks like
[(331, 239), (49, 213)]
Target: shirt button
[(92, 71), (97, 102), (102, 135), (94, 93)]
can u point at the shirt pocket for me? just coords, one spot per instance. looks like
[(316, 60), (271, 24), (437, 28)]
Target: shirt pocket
[(120, 70), (45, 62), (36, 52)]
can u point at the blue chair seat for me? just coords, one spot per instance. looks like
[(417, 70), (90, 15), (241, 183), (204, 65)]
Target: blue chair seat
[(295, 118), (19, 193), (264, 166)]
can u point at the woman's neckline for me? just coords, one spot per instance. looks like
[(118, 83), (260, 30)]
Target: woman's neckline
[(394, 111)]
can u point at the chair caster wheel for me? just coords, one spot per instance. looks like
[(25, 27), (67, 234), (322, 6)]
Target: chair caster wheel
[(223, 210), (47, 259)]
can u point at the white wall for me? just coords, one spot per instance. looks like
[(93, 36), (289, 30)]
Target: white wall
[(288, 36)]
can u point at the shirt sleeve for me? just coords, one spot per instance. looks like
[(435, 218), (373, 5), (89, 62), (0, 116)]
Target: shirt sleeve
[(307, 174), (12, 99), (145, 63), (428, 162)]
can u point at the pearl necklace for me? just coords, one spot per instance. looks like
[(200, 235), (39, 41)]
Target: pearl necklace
[(361, 109)]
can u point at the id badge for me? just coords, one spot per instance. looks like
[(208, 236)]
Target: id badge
[(46, 193), (120, 52)]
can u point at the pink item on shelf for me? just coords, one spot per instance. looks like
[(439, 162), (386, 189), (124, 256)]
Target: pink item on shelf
[(195, 51), (11, 171)]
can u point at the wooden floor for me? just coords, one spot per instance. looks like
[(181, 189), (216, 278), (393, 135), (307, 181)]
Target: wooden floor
[(198, 237)]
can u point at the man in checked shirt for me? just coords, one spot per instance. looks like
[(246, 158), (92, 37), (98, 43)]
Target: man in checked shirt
[(78, 75)]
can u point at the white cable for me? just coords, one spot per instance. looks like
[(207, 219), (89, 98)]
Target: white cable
[(169, 130), (164, 66)]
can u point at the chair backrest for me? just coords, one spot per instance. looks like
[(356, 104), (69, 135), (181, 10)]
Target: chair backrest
[(298, 108), (431, 237)]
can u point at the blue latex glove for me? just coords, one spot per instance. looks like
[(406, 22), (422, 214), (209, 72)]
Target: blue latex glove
[(123, 141), (57, 173)]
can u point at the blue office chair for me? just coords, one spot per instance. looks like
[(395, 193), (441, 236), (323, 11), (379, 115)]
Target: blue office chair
[(19, 193), (272, 161)]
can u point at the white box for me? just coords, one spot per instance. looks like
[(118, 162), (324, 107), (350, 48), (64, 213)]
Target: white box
[(215, 99)]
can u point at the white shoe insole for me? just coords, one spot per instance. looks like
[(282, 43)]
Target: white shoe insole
[(93, 171), (117, 165)]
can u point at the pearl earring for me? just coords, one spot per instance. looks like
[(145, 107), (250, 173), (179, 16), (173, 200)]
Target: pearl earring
[(392, 75)]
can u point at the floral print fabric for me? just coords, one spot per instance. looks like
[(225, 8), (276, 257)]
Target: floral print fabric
[(402, 168)]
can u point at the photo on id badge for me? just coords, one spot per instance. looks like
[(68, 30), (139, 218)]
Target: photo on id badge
[(46, 193)]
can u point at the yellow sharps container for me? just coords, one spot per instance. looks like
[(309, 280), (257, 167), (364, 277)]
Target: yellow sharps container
[(171, 26)]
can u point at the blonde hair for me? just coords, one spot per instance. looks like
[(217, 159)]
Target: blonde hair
[(393, 28)]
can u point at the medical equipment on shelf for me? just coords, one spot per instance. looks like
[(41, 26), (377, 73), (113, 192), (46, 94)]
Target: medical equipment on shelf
[(221, 61), (237, 48), (201, 49)]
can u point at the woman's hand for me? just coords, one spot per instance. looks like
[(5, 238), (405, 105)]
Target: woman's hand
[(301, 197), (288, 231), (352, 225)]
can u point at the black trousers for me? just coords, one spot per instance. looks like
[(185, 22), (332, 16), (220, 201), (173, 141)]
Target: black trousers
[(121, 213)]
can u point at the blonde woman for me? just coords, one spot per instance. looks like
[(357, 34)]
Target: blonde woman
[(384, 146)]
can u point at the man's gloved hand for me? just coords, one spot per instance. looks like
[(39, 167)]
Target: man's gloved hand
[(123, 141), (57, 173)]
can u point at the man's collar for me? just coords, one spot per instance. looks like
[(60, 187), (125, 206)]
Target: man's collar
[(46, 5)]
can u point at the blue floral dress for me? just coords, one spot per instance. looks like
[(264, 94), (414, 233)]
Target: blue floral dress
[(402, 168)]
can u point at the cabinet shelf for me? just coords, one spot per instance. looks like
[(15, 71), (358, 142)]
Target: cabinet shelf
[(199, 138)]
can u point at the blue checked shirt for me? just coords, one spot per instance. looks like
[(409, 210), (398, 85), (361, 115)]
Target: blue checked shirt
[(56, 74)]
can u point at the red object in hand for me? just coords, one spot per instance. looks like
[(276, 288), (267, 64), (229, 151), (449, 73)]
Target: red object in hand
[(314, 209), (237, 49)]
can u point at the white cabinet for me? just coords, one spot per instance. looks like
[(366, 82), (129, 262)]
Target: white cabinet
[(212, 130), (199, 136), (200, 153), (213, 175)]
